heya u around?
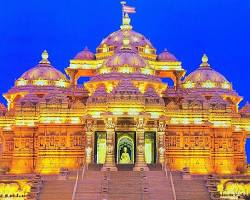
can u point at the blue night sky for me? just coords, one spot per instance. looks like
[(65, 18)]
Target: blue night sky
[(187, 28)]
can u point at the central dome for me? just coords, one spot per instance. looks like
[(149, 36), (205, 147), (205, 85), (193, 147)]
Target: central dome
[(136, 40)]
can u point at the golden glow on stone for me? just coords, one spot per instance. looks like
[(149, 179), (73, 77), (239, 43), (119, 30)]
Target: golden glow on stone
[(155, 115), (208, 84), (147, 71), (75, 120), (223, 124), (118, 111), (197, 121), (40, 82), (96, 114), (226, 85), (125, 70), (104, 70), (230, 188), (189, 85), (61, 83), (133, 111), (21, 82), (18, 190)]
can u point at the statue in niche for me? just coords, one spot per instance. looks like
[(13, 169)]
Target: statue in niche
[(125, 157)]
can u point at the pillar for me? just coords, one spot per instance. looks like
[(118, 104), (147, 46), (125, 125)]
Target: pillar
[(178, 76), (89, 141), (109, 164), (161, 142), (140, 164)]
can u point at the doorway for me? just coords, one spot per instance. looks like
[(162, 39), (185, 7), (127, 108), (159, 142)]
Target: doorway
[(150, 147), (125, 148), (100, 147)]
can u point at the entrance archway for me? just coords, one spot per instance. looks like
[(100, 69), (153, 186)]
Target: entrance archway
[(125, 148)]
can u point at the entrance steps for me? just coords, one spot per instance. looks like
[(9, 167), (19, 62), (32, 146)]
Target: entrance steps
[(90, 187), (57, 189), (193, 189), (124, 185), (159, 186)]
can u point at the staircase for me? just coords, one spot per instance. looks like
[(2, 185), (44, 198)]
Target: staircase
[(159, 186), (124, 185), (90, 187), (193, 189), (55, 190)]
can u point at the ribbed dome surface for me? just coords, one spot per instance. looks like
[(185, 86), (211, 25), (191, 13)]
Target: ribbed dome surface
[(86, 54), (166, 56)]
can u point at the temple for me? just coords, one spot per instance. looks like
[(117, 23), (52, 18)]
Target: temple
[(124, 115)]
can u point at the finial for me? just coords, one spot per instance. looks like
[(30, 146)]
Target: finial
[(126, 22), (45, 57), (204, 61)]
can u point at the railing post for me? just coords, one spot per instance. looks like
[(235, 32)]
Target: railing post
[(75, 187)]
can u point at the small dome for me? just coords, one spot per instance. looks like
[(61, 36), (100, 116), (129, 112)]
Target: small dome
[(44, 74), (206, 77), (86, 54), (245, 111), (166, 56)]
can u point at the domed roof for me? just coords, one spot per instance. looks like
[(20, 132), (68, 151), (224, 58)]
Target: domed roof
[(86, 54), (115, 39), (126, 57), (45, 72), (166, 56), (206, 77)]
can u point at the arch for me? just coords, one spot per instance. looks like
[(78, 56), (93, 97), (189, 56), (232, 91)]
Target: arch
[(125, 141)]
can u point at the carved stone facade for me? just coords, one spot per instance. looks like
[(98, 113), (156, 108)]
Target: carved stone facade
[(125, 113)]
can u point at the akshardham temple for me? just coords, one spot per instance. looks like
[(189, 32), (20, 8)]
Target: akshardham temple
[(125, 114)]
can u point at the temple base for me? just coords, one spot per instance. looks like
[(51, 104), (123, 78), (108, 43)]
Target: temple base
[(139, 168), (106, 168)]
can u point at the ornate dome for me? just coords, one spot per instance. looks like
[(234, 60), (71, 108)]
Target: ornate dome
[(44, 74), (125, 60), (206, 77), (115, 40), (86, 54), (125, 57), (166, 56)]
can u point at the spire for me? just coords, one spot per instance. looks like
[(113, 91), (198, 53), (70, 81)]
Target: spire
[(125, 17), (204, 61), (45, 57), (126, 22)]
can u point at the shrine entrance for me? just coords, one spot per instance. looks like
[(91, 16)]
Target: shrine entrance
[(125, 148), (150, 147), (100, 147)]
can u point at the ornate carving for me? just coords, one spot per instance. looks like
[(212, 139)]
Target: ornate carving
[(140, 123), (110, 124), (161, 126), (89, 125)]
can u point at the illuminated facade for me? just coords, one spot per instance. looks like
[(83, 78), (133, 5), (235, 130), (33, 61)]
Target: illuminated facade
[(125, 113)]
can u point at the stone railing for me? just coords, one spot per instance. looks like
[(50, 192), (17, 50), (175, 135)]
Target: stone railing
[(170, 176)]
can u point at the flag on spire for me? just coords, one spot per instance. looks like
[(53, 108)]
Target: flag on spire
[(128, 9)]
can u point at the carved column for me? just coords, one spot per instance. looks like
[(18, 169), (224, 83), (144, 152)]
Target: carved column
[(109, 164), (140, 164), (89, 141), (178, 76), (72, 74), (161, 142)]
